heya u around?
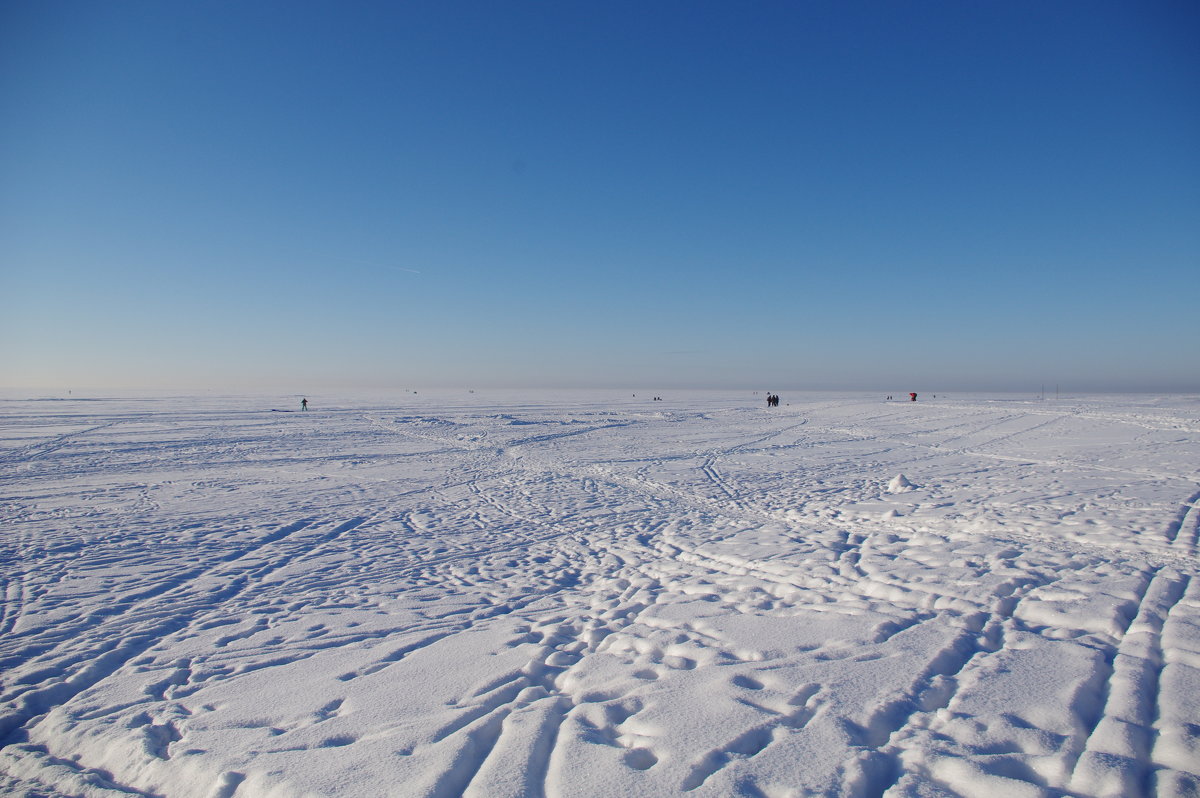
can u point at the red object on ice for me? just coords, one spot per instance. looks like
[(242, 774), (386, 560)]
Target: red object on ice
[(912, 397)]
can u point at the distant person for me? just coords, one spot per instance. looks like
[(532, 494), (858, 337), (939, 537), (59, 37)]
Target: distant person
[(304, 404), (912, 397)]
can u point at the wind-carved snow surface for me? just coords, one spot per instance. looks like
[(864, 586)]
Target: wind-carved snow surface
[(598, 596)]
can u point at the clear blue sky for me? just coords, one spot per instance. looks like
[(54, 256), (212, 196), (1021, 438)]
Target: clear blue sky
[(313, 195)]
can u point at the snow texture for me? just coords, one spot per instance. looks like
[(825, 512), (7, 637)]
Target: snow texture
[(511, 595)]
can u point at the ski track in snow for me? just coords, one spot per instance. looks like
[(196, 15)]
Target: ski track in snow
[(588, 595)]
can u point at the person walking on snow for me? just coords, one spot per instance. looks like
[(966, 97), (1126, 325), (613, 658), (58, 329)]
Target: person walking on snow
[(304, 404)]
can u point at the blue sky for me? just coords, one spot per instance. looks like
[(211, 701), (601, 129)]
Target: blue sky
[(314, 195)]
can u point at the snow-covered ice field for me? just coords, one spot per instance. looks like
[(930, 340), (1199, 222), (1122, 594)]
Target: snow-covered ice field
[(577, 594)]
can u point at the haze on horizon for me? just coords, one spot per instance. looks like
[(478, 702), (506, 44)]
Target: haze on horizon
[(868, 196)]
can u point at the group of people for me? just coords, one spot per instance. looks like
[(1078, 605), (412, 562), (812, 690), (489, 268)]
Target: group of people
[(772, 400)]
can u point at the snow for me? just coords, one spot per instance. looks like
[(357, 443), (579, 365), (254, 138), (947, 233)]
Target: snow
[(595, 594)]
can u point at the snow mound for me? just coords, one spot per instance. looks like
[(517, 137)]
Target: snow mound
[(900, 484)]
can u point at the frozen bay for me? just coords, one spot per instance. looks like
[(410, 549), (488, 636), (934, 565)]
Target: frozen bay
[(592, 594)]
